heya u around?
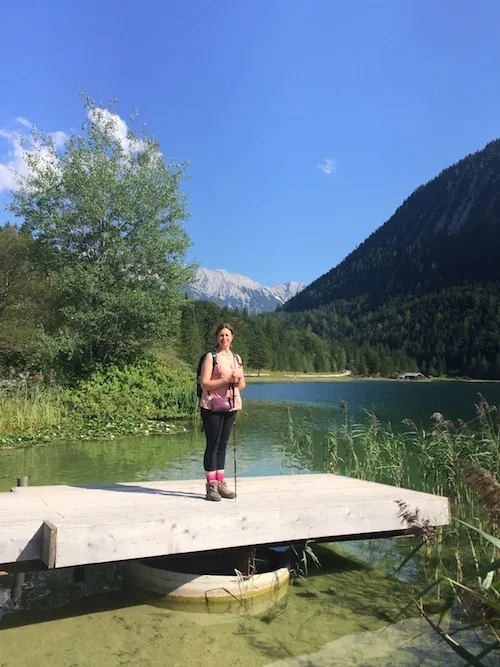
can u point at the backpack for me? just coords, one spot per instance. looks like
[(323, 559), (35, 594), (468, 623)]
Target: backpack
[(198, 370), (214, 364)]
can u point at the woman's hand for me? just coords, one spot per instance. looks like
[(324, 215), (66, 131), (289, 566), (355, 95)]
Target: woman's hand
[(232, 378), (236, 377)]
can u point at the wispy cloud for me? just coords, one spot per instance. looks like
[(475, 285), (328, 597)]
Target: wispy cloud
[(118, 128), (328, 165), (60, 138), (20, 143), (14, 165), (23, 121)]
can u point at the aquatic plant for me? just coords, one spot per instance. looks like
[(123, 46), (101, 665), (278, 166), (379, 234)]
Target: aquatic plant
[(475, 600), (304, 557), (487, 488), (453, 458)]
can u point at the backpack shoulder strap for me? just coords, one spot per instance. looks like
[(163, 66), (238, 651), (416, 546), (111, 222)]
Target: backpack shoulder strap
[(202, 359)]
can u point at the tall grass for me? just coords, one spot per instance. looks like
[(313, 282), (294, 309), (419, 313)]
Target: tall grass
[(117, 401), (437, 460), (432, 460), (459, 563), (32, 408)]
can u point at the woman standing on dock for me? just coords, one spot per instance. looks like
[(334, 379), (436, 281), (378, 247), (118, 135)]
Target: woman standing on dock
[(221, 381)]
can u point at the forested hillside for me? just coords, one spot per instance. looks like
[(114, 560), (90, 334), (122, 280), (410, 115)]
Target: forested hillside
[(446, 233), (280, 342), (427, 282)]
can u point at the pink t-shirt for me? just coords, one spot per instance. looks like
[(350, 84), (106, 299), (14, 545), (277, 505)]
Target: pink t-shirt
[(224, 366)]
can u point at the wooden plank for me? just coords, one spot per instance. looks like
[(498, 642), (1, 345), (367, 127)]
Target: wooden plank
[(22, 566), (249, 485), (77, 525), (175, 508), (49, 544), (99, 541), (179, 490), (178, 493)]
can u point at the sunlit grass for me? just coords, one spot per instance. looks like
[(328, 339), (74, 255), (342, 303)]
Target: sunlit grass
[(37, 413), (31, 409)]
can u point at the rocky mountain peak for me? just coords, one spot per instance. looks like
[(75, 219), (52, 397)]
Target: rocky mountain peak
[(236, 291)]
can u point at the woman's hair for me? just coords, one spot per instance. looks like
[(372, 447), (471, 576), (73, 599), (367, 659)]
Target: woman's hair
[(225, 325)]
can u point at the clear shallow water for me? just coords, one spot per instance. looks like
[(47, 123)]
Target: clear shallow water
[(109, 629), (99, 626), (341, 616)]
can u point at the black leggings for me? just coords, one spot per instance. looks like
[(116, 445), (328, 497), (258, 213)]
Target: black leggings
[(217, 427)]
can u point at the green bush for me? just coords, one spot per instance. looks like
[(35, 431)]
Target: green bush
[(149, 389)]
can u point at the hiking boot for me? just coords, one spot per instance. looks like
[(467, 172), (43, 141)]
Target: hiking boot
[(212, 492), (225, 491)]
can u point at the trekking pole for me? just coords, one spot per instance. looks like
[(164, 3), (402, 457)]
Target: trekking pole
[(234, 456), (234, 443)]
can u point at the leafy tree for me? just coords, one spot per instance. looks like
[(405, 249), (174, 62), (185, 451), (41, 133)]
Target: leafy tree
[(22, 294), (191, 337), (106, 215)]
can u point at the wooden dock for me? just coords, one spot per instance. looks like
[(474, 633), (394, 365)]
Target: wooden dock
[(64, 526)]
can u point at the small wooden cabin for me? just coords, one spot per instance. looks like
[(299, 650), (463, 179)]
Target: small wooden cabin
[(411, 376)]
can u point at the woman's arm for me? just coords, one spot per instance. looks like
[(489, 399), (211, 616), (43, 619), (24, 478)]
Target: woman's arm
[(206, 381)]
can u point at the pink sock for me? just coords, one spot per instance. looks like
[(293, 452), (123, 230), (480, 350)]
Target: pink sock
[(210, 475), (219, 475)]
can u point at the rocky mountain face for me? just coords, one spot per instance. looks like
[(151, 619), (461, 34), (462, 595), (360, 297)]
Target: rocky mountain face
[(446, 234), (236, 291)]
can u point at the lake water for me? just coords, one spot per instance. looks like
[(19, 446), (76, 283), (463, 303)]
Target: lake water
[(334, 613), (261, 432)]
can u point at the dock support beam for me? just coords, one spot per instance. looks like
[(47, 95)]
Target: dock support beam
[(49, 544)]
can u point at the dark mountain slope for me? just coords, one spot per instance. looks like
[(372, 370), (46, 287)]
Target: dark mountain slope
[(446, 233)]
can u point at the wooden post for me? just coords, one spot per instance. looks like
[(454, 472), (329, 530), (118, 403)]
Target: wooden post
[(49, 544), (19, 578)]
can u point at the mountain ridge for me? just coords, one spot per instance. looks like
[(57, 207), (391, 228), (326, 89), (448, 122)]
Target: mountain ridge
[(426, 282), (240, 292), (444, 234)]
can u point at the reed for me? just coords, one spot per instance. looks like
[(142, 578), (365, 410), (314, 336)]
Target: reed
[(454, 458), (431, 460), (31, 408), (124, 400), (488, 490)]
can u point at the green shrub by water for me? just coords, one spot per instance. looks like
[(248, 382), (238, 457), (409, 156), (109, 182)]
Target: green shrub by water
[(149, 389), (124, 399)]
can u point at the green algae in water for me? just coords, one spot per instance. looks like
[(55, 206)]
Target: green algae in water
[(125, 459), (343, 598)]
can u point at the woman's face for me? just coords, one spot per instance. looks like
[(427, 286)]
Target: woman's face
[(224, 338)]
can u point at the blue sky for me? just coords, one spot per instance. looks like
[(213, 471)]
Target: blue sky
[(256, 94)]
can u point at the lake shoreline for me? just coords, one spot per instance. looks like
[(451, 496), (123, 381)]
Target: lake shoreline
[(324, 377)]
